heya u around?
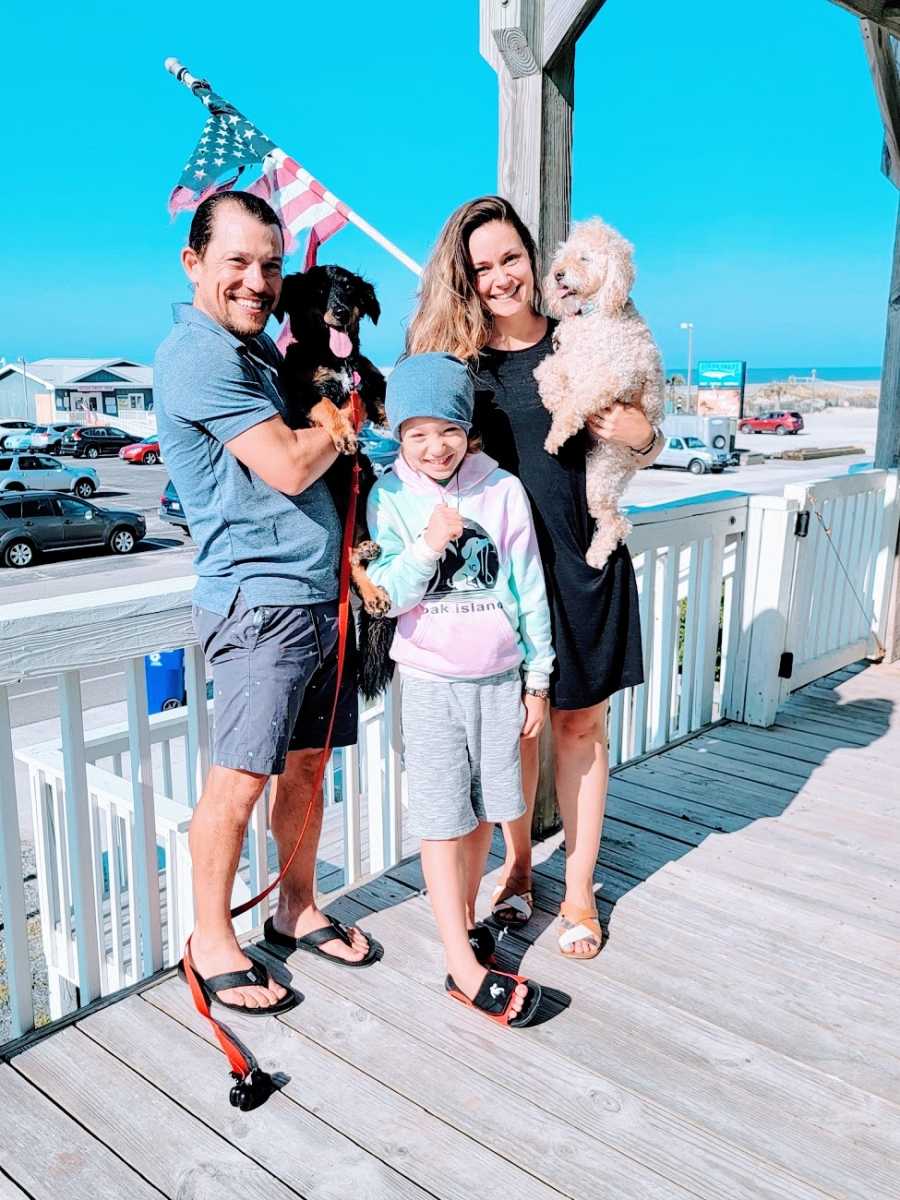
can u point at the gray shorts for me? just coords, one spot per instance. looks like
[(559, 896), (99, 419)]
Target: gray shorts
[(461, 749), (274, 672)]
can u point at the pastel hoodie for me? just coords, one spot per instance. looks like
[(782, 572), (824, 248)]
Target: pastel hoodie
[(478, 608)]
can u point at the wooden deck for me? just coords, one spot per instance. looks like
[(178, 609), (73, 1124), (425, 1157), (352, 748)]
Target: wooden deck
[(736, 1040)]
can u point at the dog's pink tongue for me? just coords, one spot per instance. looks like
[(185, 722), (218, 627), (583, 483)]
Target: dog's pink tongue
[(340, 344)]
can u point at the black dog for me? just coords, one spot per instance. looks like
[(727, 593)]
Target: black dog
[(320, 369)]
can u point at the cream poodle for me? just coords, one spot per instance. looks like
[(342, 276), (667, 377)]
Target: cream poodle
[(604, 353)]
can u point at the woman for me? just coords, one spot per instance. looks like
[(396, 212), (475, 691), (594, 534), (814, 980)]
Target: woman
[(480, 300)]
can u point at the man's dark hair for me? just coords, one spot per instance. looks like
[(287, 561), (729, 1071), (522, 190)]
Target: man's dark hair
[(204, 218)]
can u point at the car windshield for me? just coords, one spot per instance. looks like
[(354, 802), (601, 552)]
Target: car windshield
[(695, 443), (148, 441)]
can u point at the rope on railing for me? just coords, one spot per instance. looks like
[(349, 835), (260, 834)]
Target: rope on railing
[(869, 617)]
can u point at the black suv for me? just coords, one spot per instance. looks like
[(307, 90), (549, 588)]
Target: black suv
[(90, 441), (33, 522)]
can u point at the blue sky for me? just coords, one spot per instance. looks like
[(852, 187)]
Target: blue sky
[(737, 146)]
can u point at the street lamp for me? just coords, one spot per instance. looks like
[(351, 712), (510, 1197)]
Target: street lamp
[(689, 326)]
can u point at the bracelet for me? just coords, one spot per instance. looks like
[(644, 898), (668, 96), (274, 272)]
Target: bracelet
[(541, 693), (646, 449)]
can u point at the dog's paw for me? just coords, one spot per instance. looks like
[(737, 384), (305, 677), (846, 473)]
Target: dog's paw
[(378, 604), (553, 443), (345, 443), (367, 551)]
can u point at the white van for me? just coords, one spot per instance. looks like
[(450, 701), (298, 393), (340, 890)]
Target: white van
[(690, 454)]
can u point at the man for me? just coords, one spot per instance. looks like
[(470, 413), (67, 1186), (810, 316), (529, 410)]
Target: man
[(265, 604)]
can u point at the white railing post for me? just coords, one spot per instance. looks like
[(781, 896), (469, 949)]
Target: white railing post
[(12, 890), (144, 871), (352, 816), (768, 578), (78, 834), (198, 723), (884, 560), (393, 774)]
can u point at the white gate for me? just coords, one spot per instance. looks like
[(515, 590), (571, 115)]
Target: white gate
[(845, 536)]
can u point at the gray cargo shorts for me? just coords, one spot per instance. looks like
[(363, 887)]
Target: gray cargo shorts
[(461, 750), (274, 672)]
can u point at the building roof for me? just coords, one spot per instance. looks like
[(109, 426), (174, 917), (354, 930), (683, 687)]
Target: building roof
[(67, 372)]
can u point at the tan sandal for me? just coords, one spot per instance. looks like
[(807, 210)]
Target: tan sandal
[(579, 925), (505, 900)]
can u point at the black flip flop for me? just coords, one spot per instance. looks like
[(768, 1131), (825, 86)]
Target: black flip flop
[(483, 943), (283, 944), (255, 976)]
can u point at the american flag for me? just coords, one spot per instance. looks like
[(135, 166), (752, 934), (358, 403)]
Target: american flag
[(229, 146)]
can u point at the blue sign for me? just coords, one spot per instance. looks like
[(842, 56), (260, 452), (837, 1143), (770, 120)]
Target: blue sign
[(730, 374)]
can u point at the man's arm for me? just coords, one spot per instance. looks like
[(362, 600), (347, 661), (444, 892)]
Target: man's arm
[(288, 460)]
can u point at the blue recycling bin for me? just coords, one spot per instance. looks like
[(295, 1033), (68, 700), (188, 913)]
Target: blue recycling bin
[(165, 680)]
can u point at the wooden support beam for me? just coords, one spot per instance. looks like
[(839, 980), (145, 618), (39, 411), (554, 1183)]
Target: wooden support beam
[(887, 443), (883, 65), (531, 46), (883, 12), (564, 23)]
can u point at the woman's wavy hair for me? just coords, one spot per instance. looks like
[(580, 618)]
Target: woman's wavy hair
[(450, 316)]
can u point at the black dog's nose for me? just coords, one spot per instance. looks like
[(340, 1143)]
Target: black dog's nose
[(340, 312)]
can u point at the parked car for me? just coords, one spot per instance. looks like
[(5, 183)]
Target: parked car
[(39, 472), (690, 454), (146, 451), (51, 437), (780, 422), (42, 437), (170, 508), (10, 429), (35, 523), (93, 440)]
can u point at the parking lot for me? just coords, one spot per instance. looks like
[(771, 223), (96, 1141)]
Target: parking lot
[(166, 553)]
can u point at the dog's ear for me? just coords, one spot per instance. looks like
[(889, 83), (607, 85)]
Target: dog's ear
[(293, 288), (619, 273), (369, 307)]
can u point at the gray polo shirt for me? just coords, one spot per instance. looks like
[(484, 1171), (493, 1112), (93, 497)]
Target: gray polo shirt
[(275, 549)]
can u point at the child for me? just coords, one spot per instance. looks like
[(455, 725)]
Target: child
[(460, 562)]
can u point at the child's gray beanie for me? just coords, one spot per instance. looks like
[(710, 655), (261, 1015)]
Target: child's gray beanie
[(430, 385)]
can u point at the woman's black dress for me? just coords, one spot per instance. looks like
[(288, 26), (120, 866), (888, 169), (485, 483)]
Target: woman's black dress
[(596, 623)]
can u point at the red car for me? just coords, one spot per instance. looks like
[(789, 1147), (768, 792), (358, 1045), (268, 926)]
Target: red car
[(772, 422), (146, 452)]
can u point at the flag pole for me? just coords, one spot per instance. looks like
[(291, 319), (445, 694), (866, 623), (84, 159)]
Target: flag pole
[(195, 85)]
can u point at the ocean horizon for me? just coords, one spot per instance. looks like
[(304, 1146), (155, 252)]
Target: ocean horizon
[(771, 374)]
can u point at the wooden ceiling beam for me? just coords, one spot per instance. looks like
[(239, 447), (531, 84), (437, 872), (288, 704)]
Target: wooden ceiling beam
[(883, 12), (883, 66), (564, 23)]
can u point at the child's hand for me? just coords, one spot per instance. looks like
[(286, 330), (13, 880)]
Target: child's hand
[(536, 708), (444, 527)]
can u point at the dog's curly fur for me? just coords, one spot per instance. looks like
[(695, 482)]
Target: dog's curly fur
[(603, 353)]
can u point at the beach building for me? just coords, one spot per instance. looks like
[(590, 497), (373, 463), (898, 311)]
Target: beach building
[(92, 391)]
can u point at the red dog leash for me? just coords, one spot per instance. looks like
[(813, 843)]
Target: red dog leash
[(253, 1086)]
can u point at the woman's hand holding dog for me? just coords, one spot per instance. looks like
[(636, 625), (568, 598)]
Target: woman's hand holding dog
[(624, 424), (444, 527), (536, 708)]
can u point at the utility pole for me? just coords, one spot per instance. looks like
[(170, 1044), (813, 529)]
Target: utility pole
[(25, 390)]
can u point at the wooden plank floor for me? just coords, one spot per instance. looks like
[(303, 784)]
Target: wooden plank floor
[(736, 1040)]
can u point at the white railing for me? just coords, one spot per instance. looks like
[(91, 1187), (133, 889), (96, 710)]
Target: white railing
[(688, 560), (729, 590)]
